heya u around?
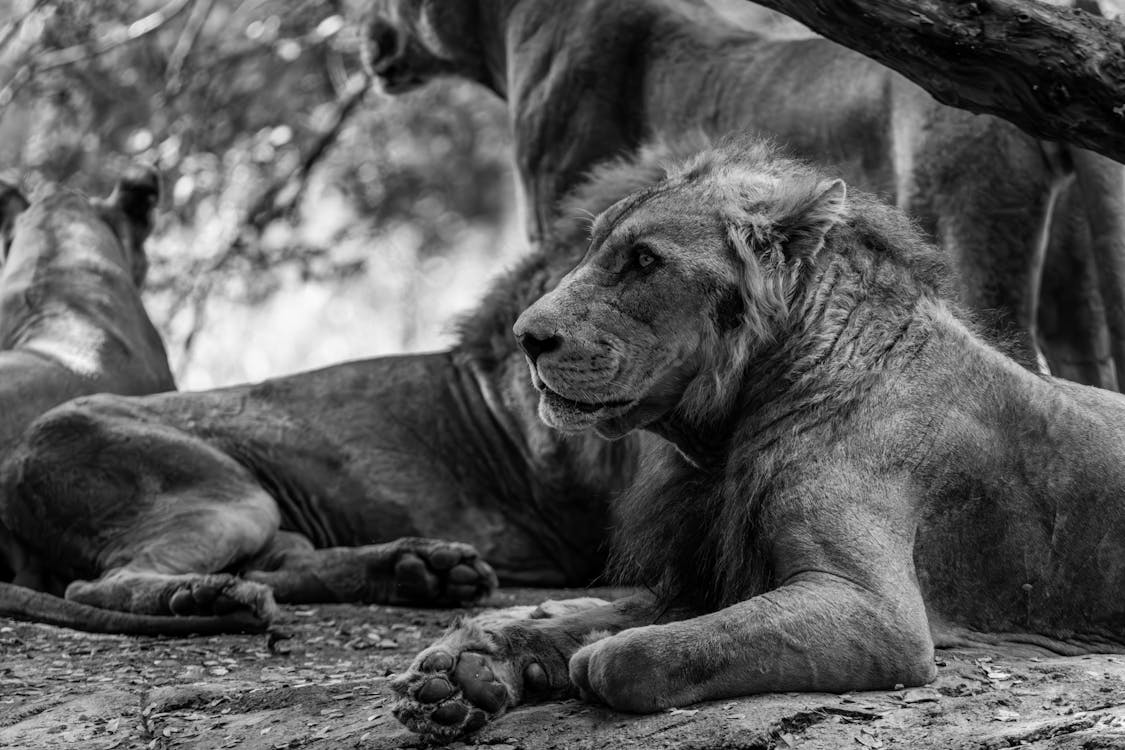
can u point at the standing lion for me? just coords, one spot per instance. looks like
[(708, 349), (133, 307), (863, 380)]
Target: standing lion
[(858, 475)]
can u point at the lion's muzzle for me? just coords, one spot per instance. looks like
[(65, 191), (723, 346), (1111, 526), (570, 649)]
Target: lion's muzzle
[(575, 374)]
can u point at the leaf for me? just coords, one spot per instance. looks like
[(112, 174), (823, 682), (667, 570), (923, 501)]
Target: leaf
[(920, 695)]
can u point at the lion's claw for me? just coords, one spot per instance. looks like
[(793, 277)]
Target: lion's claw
[(447, 696)]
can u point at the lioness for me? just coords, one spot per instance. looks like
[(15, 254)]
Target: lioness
[(269, 480), (587, 79), (71, 323), (858, 475)]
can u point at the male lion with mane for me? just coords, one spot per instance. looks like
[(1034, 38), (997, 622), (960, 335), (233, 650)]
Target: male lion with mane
[(858, 476)]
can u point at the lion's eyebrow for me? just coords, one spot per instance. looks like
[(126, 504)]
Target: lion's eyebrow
[(609, 220)]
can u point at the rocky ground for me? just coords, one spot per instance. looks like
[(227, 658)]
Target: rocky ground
[(327, 688)]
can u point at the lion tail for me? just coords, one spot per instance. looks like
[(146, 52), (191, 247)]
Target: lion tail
[(22, 603)]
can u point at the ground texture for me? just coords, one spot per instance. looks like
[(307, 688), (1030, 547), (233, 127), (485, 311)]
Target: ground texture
[(327, 688)]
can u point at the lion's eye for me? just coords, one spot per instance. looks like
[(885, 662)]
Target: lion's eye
[(644, 256)]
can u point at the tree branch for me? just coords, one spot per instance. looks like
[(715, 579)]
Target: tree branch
[(1058, 73)]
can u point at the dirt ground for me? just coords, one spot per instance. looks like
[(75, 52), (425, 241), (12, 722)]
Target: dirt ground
[(327, 688)]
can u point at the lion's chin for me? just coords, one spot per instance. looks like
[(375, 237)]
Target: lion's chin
[(567, 415)]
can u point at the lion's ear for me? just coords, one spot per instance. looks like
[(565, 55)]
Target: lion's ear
[(806, 223)]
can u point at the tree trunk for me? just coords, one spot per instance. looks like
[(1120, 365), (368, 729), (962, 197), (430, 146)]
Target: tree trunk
[(1058, 73)]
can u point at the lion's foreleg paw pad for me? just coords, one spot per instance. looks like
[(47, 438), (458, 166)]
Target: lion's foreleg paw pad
[(448, 696)]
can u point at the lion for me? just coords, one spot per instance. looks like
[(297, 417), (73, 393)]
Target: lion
[(71, 323), (590, 80), (313, 487), (71, 319), (857, 474)]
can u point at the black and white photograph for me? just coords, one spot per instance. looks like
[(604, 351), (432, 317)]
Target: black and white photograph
[(562, 374)]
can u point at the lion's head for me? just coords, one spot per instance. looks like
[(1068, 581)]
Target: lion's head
[(66, 223), (681, 285), (410, 42)]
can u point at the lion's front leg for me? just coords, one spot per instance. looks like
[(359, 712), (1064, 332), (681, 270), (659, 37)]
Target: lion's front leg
[(817, 633), (484, 666)]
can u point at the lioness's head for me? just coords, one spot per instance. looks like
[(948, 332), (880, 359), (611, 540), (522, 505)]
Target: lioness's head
[(65, 224), (682, 283), (410, 42)]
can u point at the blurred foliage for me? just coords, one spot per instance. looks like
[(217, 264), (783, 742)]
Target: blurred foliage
[(277, 158)]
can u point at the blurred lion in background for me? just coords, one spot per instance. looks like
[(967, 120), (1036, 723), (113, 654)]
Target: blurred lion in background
[(590, 80)]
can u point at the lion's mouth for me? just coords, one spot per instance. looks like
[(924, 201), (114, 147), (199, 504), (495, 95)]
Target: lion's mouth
[(559, 402)]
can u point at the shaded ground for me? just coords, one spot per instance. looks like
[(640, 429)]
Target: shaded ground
[(61, 689)]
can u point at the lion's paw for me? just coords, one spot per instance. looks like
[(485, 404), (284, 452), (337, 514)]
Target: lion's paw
[(221, 595), (432, 571), (447, 695), (626, 672)]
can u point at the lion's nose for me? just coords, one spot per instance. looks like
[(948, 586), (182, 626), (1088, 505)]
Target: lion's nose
[(535, 345)]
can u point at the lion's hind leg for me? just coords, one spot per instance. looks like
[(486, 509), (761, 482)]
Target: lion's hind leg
[(406, 571), (172, 560), (146, 592), (154, 519)]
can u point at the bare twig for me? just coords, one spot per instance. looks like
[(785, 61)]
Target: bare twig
[(190, 35), (82, 52)]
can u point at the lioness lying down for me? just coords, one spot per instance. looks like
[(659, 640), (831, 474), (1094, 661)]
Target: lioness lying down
[(858, 476)]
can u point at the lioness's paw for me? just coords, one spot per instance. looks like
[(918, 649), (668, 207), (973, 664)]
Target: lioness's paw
[(432, 571), (446, 694), (221, 595)]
